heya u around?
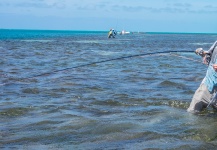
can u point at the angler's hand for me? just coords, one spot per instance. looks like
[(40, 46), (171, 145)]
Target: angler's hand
[(204, 60), (205, 57), (215, 67)]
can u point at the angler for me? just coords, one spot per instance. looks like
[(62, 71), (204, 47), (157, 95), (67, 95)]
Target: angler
[(112, 33), (205, 95)]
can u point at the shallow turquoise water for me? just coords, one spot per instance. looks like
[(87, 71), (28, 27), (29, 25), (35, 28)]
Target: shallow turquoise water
[(50, 98)]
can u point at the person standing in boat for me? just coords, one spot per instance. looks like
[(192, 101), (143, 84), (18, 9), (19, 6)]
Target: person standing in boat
[(206, 95)]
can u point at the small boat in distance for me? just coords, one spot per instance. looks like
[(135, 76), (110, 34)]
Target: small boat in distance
[(124, 32)]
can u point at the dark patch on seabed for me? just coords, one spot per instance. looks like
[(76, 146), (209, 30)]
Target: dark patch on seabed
[(130, 103)]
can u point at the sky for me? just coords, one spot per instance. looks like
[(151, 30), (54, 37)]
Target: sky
[(189, 16)]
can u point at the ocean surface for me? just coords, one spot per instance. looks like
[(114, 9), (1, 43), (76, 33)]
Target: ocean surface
[(80, 90)]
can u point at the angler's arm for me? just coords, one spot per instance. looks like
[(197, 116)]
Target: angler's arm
[(202, 53), (210, 51), (206, 54)]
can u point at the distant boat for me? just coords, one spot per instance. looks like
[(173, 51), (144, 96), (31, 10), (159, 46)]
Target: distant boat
[(124, 32)]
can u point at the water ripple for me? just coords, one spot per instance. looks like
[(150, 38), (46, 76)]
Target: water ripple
[(131, 103)]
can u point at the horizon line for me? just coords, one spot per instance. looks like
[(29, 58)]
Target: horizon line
[(150, 32)]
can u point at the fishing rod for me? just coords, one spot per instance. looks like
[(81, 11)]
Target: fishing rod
[(108, 60), (103, 61)]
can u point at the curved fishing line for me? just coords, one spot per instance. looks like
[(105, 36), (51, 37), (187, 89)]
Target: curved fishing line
[(108, 60), (102, 61)]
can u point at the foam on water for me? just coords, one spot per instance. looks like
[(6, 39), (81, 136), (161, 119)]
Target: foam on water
[(198, 44), (37, 41)]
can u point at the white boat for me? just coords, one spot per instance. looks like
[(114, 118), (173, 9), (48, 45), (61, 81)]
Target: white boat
[(124, 32)]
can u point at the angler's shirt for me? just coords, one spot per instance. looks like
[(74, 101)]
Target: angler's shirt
[(210, 79)]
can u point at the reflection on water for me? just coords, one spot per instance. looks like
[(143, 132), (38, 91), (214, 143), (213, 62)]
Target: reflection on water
[(132, 103)]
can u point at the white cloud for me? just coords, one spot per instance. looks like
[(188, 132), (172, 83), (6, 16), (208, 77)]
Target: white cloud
[(105, 7)]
